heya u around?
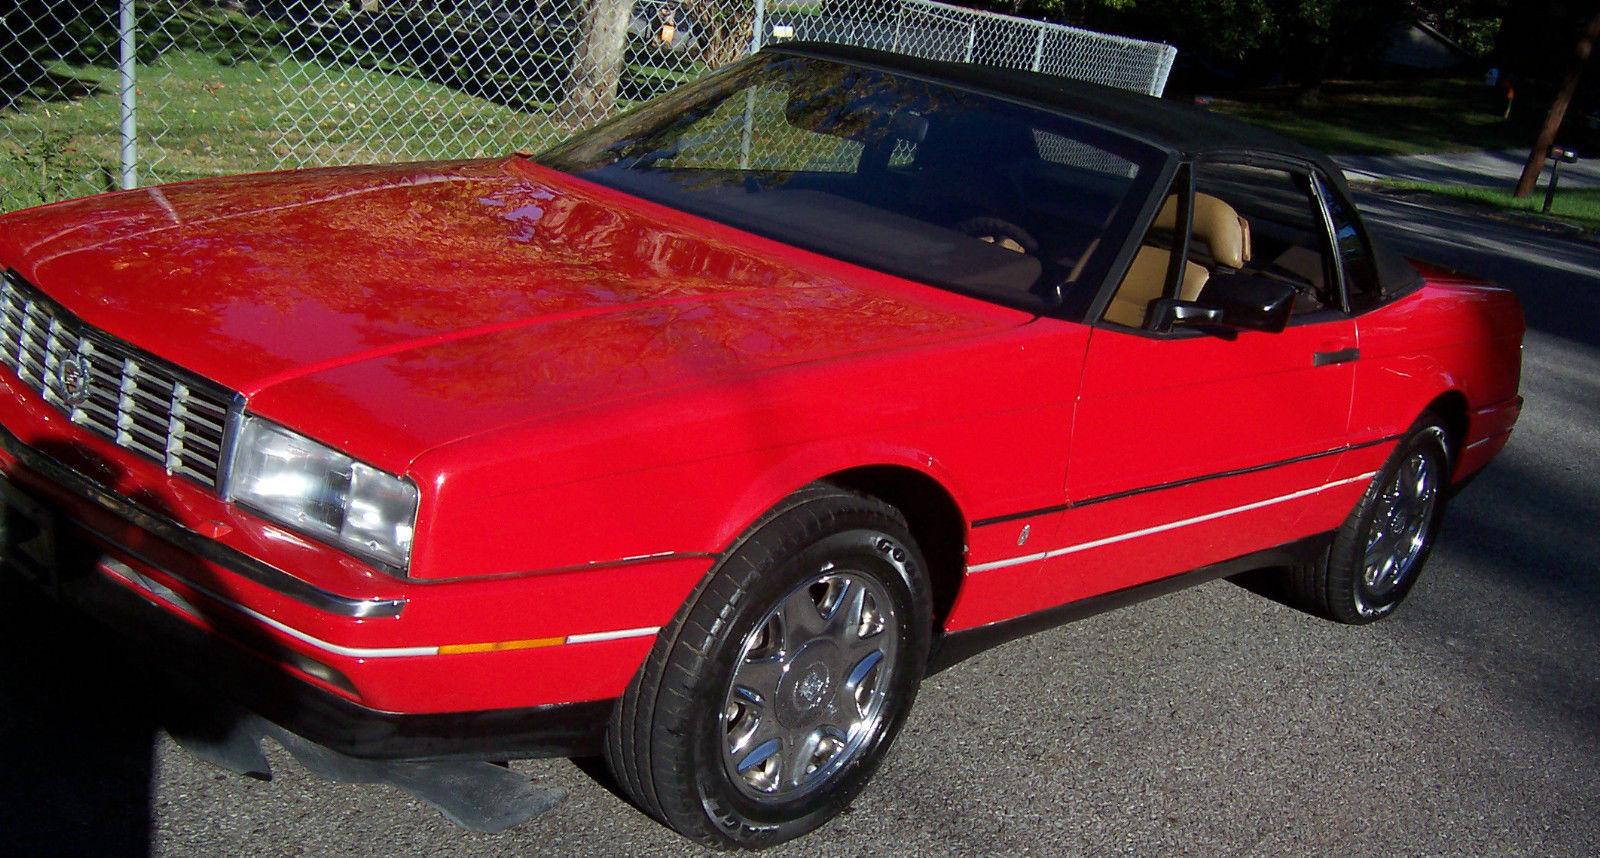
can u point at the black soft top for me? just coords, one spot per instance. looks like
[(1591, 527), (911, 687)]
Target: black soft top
[(1171, 125)]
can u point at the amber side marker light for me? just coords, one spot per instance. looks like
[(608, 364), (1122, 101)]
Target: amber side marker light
[(500, 646)]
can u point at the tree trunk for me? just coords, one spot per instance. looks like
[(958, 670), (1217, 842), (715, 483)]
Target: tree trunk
[(726, 29), (597, 63), (1558, 111)]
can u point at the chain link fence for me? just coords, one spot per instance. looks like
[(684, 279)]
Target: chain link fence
[(100, 94), (940, 31)]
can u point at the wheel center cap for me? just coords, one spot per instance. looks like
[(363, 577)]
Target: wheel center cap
[(806, 692), (812, 687)]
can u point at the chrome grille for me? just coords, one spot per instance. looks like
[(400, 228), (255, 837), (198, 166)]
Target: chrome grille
[(133, 399)]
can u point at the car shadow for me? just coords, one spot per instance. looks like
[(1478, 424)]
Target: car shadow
[(80, 705), (79, 728)]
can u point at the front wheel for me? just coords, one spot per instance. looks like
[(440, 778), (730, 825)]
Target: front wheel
[(1379, 551), (769, 700)]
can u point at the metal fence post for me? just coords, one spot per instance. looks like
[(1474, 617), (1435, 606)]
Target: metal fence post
[(759, 26), (125, 69)]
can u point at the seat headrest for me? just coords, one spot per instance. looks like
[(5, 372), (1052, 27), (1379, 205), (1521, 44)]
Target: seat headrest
[(1215, 223)]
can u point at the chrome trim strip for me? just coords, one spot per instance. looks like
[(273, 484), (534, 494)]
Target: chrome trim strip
[(1498, 436), (1160, 528), (236, 561), (157, 590), (230, 439), (596, 637), (117, 569)]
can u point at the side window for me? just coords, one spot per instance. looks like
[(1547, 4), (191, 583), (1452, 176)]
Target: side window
[(1285, 237), (1146, 278), (1255, 220), (1355, 253)]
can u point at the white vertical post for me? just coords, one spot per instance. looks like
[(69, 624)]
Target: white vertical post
[(748, 131), (759, 28), (1038, 51), (127, 80)]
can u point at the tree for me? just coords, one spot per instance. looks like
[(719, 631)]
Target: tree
[(1473, 24), (1558, 109), (1298, 40), (591, 91), (726, 28)]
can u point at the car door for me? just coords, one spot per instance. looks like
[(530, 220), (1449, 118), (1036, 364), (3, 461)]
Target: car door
[(1190, 446)]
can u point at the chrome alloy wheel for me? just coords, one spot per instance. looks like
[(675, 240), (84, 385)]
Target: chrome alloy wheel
[(810, 687), (1402, 521)]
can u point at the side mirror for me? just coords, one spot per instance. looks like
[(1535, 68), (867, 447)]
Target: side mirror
[(1247, 302)]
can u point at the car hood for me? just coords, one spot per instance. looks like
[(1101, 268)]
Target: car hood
[(391, 309)]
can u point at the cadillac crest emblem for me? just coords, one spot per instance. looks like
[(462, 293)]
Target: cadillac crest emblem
[(72, 378)]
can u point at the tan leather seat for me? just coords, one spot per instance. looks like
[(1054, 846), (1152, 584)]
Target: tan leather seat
[(1215, 222), (1146, 280)]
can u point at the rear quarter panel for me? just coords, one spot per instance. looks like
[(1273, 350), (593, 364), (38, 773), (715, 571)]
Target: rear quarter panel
[(1452, 337)]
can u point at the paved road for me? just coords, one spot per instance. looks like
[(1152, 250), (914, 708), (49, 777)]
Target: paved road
[(1210, 722), (1494, 170)]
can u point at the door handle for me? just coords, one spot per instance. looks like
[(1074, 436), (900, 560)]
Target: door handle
[(1333, 357)]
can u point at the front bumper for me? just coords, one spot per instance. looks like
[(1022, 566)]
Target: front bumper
[(197, 668), (398, 669), (42, 544)]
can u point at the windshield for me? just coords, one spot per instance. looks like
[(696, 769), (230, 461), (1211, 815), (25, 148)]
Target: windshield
[(957, 189)]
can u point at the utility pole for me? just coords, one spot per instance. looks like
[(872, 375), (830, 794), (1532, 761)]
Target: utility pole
[(1558, 110)]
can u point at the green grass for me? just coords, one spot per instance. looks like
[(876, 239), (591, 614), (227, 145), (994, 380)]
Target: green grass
[(64, 148), (199, 117), (354, 115), (1409, 118), (1383, 117), (1579, 207)]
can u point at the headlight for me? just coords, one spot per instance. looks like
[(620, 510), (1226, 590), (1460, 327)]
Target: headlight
[(321, 492)]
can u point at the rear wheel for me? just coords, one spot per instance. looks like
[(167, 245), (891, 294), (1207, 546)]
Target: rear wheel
[(1379, 551), (769, 700)]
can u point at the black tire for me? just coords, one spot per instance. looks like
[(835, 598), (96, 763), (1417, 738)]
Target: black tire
[(682, 742), (1380, 549)]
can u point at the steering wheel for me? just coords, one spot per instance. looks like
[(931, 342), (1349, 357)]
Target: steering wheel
[(1000, 232)]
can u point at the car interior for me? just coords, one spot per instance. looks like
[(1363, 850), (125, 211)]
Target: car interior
[(1253, 220)]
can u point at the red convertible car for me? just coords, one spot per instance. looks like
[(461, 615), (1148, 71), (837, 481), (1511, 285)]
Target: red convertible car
[(701, 438)]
